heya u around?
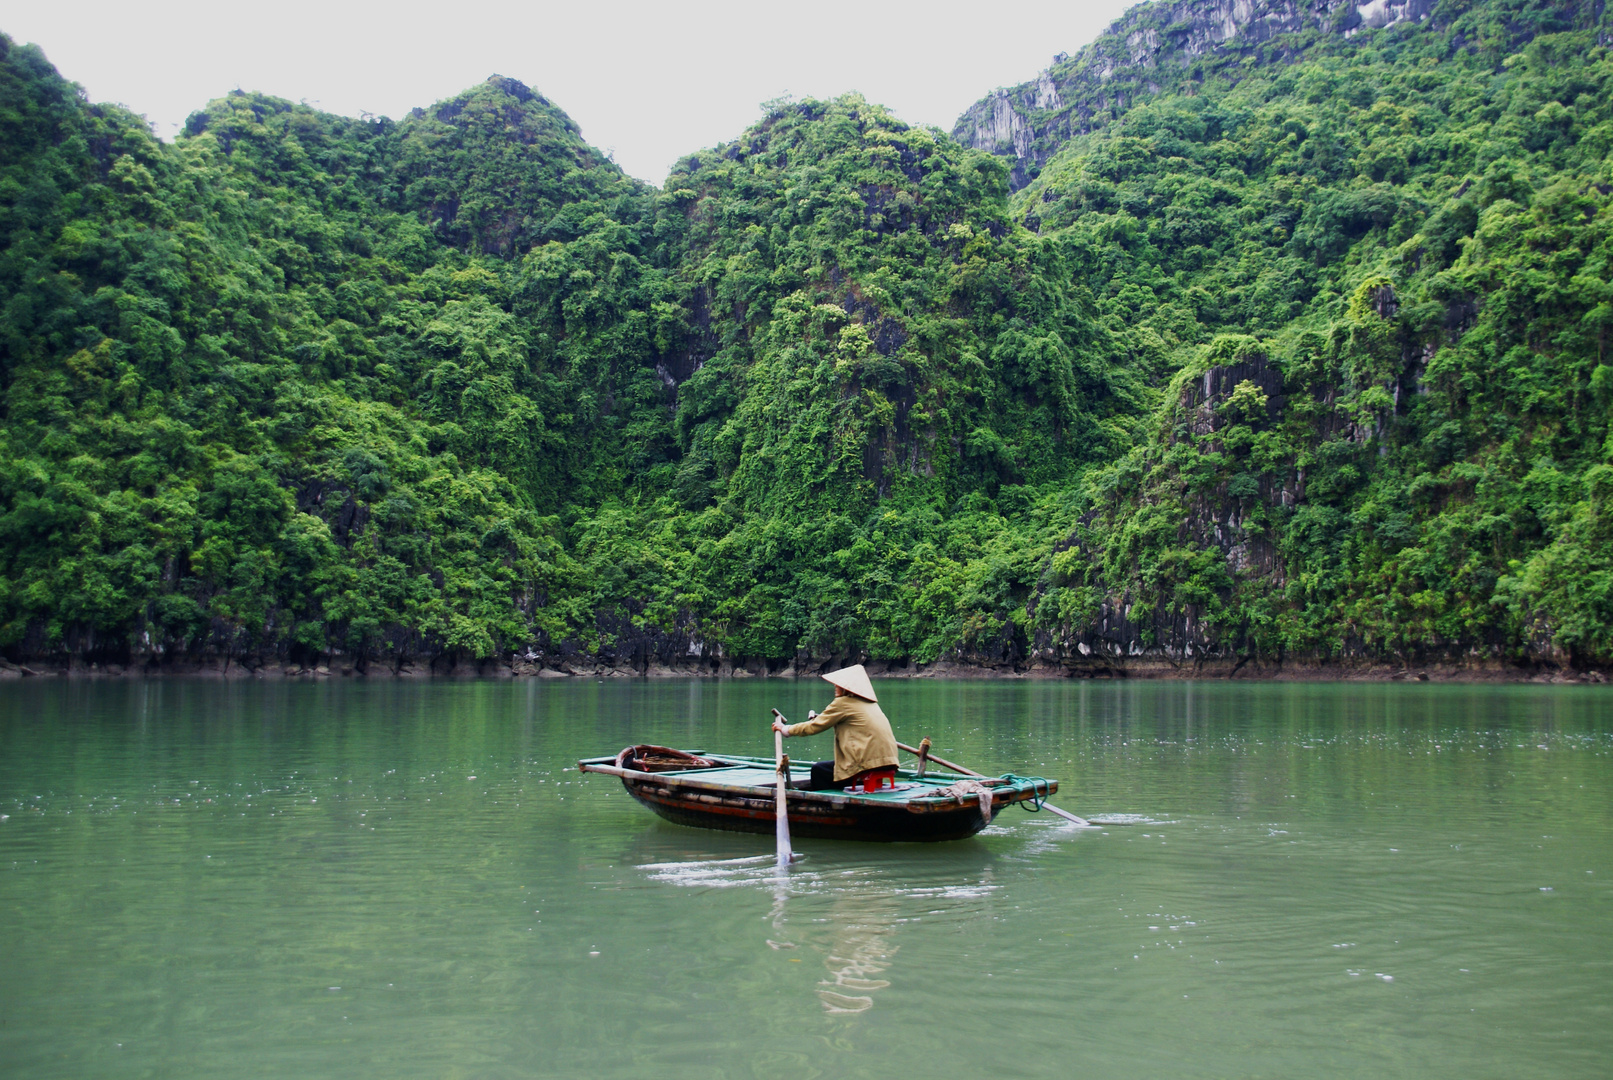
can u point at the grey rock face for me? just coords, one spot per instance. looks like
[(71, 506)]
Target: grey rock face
[(1134, 57), (996, 125)]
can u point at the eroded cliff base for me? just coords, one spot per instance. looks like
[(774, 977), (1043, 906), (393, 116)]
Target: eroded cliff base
[(586, 666)]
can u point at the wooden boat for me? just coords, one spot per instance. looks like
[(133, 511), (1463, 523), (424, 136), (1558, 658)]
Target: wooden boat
[(712, 791)]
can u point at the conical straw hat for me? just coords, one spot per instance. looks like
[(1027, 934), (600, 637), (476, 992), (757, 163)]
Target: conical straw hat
[(854, 679)]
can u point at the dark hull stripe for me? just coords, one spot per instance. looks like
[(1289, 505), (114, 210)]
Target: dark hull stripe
[(737, 813)]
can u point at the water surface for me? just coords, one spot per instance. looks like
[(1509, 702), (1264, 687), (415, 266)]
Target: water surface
[(354, 879)]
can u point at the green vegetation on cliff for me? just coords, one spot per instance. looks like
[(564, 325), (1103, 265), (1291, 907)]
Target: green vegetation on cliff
[(1305, 355), (455, 384), (1415, 247)]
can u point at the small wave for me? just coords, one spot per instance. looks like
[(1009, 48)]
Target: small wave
[(762, 872), (716, 873), (1131, 819), (949, 892)]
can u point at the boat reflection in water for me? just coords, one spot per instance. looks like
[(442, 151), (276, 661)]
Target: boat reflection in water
[(844, 908)]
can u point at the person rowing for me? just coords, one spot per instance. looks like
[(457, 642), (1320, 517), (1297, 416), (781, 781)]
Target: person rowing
[(865, 747)]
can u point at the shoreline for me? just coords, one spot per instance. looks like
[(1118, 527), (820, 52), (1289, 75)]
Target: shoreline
[(575, 668)]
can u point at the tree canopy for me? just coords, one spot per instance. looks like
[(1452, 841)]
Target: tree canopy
[(1298, 356)]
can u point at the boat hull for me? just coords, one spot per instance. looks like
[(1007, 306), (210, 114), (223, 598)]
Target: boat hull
[(817, 820), (685, 798)]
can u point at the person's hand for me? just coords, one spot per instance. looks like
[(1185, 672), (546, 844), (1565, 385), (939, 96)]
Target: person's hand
[(778, 726)]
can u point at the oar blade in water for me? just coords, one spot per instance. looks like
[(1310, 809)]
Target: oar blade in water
[(783, 830)]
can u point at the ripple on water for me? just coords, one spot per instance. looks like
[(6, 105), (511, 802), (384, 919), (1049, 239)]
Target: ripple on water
[(431, 851)]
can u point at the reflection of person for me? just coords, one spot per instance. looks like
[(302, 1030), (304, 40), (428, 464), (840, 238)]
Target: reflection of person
[(865, 748), (862, 949)]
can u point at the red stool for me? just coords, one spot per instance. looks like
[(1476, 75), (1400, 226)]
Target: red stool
[(878, 779)]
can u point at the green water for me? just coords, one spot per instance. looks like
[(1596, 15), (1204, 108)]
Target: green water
[(353, 879)]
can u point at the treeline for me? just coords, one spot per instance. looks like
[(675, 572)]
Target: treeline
[(1401, 245), (298, 384), (1302, 361)]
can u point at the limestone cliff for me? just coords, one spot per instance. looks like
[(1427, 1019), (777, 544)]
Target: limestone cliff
[(1153, 47)]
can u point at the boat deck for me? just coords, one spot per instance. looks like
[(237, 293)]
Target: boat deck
[(758, 772), (744, 775), (761, 772)]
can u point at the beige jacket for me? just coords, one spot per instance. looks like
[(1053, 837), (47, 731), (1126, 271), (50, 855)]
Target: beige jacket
[(863, 738)]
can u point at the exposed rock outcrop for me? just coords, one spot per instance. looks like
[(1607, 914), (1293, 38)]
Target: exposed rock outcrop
[(1153, 46)]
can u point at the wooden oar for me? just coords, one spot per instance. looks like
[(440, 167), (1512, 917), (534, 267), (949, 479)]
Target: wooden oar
[(945, 764), (783, 763)]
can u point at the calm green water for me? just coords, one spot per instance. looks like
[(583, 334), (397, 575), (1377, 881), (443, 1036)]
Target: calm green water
[(353, 880)]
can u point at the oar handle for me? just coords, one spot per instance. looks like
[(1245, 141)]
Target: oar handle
[(943, 762), (782, 781)]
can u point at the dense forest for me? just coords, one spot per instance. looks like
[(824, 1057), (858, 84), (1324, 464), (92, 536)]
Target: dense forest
[(1240, 341)]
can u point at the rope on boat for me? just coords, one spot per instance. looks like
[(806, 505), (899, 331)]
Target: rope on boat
[(960, 790), (1041, 788)]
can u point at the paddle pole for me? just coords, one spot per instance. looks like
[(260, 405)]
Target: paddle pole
[(925, 754), (783, 764)]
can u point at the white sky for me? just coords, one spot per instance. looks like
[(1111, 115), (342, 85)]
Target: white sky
[(647, 81)]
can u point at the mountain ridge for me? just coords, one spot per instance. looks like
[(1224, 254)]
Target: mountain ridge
[(1297, 365), (1157, 45)]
